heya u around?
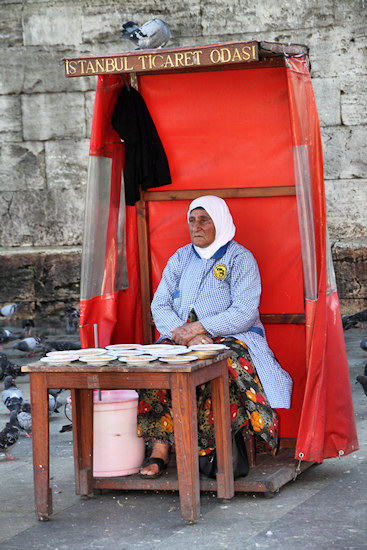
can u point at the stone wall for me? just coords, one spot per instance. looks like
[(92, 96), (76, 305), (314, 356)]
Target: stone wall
[(45, 122)]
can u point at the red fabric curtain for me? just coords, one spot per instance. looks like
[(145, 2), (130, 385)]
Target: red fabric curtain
[(102, 279), (327, 427)]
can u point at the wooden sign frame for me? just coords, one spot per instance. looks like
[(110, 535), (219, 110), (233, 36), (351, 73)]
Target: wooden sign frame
[(147, 61)]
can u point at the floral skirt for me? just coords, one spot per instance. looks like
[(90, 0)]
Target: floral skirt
[(248, 405)]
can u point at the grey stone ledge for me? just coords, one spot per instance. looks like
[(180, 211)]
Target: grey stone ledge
[(8, 251)]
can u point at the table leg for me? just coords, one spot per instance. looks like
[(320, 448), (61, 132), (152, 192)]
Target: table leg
[(223, 440), (82, 408), (41, 448), (184, 410)]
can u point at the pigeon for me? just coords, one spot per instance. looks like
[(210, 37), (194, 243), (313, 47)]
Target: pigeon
[(28, 344), (362, 379), (11, 395), (60, 346), (53, 403), (66, 428), (7, 368), (9, 435), (154, 34), (25, 419), (6, 335), (363, 344), (351, 321), (27, 325), (72, 317), (3, 364), (11, 310)]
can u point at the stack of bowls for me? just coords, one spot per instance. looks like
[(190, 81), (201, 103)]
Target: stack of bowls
[(95, 356)]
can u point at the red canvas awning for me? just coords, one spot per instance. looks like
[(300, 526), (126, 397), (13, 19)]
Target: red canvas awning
[(257, 129)]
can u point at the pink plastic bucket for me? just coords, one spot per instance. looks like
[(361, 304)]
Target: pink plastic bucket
[(117, 450)]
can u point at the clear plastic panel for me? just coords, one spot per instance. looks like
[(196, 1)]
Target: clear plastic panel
[(305, 217), (99, 274), (330, 273)]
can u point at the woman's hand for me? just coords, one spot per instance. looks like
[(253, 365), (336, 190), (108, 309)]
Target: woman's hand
[(200, 339), (185, 333)]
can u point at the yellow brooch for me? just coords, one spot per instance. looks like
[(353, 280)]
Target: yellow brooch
[(220, 272)]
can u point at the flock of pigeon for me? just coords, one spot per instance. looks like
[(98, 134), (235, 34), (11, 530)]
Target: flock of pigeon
[(20, 421), (20, 414)]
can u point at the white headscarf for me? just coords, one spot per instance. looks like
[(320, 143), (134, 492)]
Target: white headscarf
[(223, 222)]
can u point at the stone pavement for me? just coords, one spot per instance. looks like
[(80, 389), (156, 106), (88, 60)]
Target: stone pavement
[(324, 508)]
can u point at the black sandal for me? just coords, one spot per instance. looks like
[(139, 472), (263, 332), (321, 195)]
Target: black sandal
[(162, 466)]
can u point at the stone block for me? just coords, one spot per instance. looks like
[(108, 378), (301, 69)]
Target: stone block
[(10, 118), (11, 33), (16, 277), (220, 17), (66, 163), (42, 217), (354, 100), (12, 68), (52, 23), (342, 147), (346, 202), (327, 96), (351, 13), (350, 266), (337, 51), (52, 116), (45, 72), (22, 167), (46, 279), (102, 24)]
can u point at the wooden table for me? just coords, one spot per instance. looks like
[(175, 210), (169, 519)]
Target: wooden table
[(181, 379)]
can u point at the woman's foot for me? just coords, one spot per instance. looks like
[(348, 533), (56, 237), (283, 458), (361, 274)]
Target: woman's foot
[(160, 450)]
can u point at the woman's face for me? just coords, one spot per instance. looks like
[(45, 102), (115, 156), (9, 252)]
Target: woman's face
[(201, 227)]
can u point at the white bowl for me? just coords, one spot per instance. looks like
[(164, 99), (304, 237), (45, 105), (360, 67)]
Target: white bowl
[(118, 347), (176, 350), (208, 347), (58, 361), (89, 352), (178, 358), (119, 352), (61, 354), (156, 347), (98, 360), (137, 359)]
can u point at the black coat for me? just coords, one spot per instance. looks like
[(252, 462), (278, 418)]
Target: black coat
[(146, 163)]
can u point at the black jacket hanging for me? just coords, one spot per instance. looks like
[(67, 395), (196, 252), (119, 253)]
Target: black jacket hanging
[(146, 163)]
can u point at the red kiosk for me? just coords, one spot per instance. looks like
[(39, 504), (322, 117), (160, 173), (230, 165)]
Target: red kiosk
[(237, 120)]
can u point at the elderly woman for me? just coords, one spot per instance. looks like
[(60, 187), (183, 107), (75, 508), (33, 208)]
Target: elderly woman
[(210, 292)]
